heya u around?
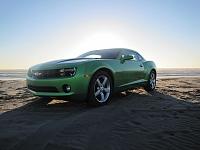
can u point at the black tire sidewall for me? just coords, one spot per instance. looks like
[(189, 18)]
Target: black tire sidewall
[(148, 86)]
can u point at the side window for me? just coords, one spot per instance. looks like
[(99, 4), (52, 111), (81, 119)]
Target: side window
[(135, 58), (140, 58), (134, 54), (123, 53)]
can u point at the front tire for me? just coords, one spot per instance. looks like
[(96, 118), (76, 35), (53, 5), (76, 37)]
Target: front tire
[(100, 89), (151, 83)]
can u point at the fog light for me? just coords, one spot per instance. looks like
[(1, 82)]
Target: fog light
[(66, 88)]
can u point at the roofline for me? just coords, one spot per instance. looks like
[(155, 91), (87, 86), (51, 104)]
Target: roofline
[(116, 49)]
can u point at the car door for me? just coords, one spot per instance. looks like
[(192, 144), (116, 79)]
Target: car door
[(140, 61), (131, 70)]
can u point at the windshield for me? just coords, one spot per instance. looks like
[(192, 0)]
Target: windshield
[(104, 54)]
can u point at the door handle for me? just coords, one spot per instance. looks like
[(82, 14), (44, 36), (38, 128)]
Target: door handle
[(141, 65)]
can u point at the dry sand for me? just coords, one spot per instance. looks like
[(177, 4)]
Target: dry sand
[(169, 118)]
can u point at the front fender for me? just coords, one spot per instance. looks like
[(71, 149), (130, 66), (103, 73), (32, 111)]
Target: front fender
[(91, 68)]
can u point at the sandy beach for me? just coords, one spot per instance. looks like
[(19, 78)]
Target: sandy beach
[(168, 118)]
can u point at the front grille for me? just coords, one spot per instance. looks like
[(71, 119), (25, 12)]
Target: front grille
[(42, 88), (45, 74)]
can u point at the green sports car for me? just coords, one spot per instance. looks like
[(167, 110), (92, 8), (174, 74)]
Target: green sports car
[(93, 76)]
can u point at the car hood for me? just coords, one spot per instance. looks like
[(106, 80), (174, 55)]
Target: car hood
[(57, 64)]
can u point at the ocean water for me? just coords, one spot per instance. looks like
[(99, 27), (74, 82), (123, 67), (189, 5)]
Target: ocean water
[(18, 74), (178, 72), (161, 73)]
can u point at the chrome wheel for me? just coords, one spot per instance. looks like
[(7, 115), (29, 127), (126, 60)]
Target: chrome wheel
[(102, 88), (152, 80)]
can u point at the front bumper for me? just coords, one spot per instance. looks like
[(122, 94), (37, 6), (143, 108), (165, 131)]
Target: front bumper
[(54, 87)]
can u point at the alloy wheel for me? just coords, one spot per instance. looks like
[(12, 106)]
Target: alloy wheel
[(102, 88), (152, 80)]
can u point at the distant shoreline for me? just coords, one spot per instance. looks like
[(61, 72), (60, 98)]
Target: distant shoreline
[(20, 74)]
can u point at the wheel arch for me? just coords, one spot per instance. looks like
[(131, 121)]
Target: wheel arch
[(148, 67), (101, 69), (109, 71), (153, 69)]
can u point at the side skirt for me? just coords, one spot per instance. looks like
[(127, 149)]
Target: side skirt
[(130, 86)]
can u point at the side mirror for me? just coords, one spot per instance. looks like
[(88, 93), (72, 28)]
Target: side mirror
[(126, 57)]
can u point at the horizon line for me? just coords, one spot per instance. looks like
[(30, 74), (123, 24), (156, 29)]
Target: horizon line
[(157, 68)]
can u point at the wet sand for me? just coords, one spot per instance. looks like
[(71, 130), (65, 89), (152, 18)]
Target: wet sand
[(168, 118)]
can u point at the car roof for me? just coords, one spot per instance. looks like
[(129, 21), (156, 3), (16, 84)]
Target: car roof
[(118, 49)]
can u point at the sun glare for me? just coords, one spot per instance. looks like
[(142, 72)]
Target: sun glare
[(102, 40)]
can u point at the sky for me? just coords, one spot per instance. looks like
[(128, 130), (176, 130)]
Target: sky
[(36, 31)]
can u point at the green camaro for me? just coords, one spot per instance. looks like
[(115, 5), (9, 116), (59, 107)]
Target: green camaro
[(93, 76)]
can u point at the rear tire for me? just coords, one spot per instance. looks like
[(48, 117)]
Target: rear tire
[(151, 83), (100, 89)]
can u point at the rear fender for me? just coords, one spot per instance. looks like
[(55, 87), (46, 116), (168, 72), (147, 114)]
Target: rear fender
[(148, 67)]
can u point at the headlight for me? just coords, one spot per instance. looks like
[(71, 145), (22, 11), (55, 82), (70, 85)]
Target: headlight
[(29, 73), (67, 72)]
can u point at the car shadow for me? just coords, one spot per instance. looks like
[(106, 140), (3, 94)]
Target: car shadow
[(151, 120)]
